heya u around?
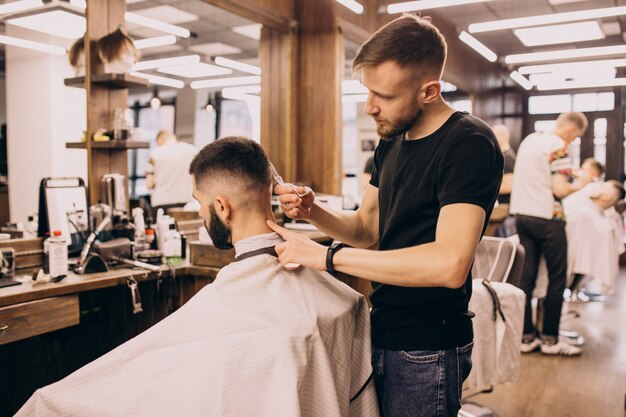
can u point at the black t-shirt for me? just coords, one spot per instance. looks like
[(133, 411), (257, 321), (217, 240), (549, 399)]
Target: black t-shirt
[(509, 164), (459, 163)]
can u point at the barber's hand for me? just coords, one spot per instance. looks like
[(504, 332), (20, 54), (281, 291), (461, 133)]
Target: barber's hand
[(295, 207), (298, 249)]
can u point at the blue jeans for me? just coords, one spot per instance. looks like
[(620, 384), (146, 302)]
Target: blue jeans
[(421, 383)]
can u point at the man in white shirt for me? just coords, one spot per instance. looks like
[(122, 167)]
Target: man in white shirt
[(259, 341), (166, 174), (541, 179)]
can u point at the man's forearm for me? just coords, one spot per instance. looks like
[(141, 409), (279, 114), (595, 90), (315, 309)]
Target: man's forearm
[(428, 265), (344, 225)]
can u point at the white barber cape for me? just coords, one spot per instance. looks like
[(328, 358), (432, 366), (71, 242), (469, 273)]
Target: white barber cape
[(594, 242), (259, 341)]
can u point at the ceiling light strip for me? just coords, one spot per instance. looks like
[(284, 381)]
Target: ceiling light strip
[(240, 66), (17, 6), (226, 82), (157, 24), (546, 19), (353, 5), (410, 6), (476, 45), (35, 46), (565, 54), (166, 62), (537, 69), (156, 79), (566, 85), (521, 80), (157, 41)]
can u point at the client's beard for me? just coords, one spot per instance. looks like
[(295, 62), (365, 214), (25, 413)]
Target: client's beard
[(219, 232)]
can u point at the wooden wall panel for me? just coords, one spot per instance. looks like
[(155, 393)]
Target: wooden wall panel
[(277, 53), (320, 70)]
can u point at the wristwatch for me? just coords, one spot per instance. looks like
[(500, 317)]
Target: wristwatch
[(330, 254)]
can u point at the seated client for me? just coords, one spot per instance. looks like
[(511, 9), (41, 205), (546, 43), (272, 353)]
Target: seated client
[(259, 341)]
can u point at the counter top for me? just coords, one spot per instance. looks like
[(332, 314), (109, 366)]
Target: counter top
[(75, 283)]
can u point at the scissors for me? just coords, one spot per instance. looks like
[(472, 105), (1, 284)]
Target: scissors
[(280, 181)]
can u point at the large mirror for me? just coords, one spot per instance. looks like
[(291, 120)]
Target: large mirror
[(217, 93)]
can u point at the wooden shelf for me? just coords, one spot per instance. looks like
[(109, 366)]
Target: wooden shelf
[(112, 81), (110, 144)]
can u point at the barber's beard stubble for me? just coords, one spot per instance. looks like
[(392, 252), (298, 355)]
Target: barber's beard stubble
[(219, 232), (400, 126)]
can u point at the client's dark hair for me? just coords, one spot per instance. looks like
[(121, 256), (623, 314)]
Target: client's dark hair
[(235, 157), (619, 188)]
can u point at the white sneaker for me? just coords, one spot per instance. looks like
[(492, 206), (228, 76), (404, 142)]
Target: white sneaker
[(560, 348), (531, 346)]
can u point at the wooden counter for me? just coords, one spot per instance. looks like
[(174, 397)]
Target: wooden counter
[(75, 283)]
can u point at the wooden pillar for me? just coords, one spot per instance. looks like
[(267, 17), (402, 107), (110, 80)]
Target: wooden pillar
[(320, 71), (277, 54), (103, 17)]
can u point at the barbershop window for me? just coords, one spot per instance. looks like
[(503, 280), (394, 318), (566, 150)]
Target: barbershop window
[(562, 103)]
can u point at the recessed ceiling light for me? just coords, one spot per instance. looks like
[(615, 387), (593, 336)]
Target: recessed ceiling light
[(587, 65), (36, 46), (157, 24), (214, 49), (565, 54), (558, 2), (165, 62), (240, 66), (156, 79), (167, 14), (152, 42), (410, 6), (226, 82), (251, 31), (17, 6), (476, 45), (556, 34), (57, 23), (547, 19), (521, 80), (353, 5), (567, 85), (196, 70)]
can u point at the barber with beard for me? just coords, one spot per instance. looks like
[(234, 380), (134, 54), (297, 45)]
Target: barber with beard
[(435, 181)]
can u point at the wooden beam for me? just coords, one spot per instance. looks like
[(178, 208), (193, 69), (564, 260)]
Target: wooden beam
[(321, 65), (277, 54), (277, 15), (103, 17)]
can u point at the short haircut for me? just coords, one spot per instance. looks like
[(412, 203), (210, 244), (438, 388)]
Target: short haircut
[(410, 41), (233, 157), (577, 119), (619, 188), (595, 164)]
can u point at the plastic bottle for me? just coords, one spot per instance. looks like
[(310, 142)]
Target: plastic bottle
[(57, 255), (172, 247), (140, 230), (150, 238)]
